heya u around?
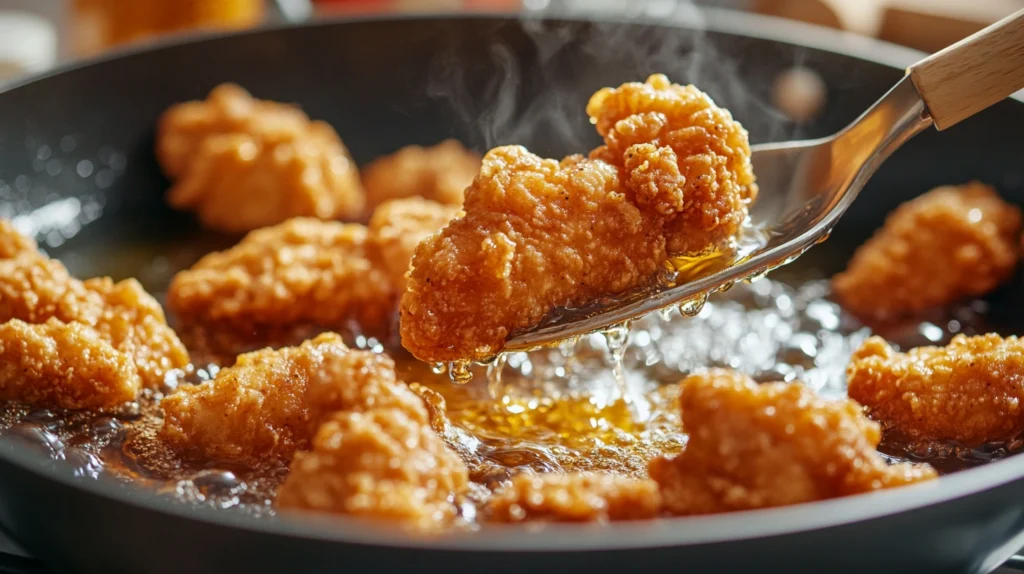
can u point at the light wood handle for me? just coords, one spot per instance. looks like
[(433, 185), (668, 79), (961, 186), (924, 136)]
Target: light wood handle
[(974, 73)]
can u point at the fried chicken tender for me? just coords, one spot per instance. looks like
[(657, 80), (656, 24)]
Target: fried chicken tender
[(681, 155), (397, 227), (575, 497), (63, 365), (34, 288), (673, 178), (270, 402), (537, 234), (969, 391), (755, 446), (242, 163), (301, 271), (439, 173), (951, 243), (380, 464)]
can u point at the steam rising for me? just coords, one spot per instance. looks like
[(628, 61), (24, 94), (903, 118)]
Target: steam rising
[(537, 80)]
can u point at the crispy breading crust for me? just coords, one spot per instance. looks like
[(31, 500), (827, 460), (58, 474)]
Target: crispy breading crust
[(397, 227), (439, 173), (969, 391), (575, 497), (301, 271), (950, 243), (269, 403), (755, 446), (34, 289), (674, 178), (681, 155), (242, 164), (63, 365), (379, 464), (537, 234)]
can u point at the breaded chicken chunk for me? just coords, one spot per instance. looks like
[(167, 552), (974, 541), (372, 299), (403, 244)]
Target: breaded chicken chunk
[(574, 497), (63, 365), (951, 243), (681, 155), (775, 444), (969, 391), (301, 271), (439, 173), (242, 164), (397, 227), (269, 403), (674, 178), (537, 234), (34, 288), (380, 464)]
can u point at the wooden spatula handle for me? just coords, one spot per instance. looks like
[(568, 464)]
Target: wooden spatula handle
[(974, 73)]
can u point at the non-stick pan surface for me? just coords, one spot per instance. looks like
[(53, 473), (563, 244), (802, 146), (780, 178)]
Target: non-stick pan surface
[(487, 81)]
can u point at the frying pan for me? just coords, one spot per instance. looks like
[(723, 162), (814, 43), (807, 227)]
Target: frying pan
[(487, 80)]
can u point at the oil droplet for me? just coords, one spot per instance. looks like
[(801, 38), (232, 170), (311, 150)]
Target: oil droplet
[(824, 237), (495, 387), (459, 372), (726, 286), (438, 368), (617, 339), (693, 306), (759, 275)]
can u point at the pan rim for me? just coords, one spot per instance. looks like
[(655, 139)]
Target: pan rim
[(554, 537)]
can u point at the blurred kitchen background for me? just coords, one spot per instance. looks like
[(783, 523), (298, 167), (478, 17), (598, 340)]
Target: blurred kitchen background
[(38, 34)]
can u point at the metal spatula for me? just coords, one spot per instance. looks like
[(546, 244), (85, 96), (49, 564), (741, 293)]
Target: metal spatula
[(806, 186)]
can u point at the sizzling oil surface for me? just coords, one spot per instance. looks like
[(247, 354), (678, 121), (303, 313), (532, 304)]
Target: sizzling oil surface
[(548, 410)]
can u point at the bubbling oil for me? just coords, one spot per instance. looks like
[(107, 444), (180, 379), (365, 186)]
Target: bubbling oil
[(563, 408)]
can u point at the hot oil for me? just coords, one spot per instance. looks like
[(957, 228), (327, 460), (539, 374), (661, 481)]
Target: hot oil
[(570, 407)]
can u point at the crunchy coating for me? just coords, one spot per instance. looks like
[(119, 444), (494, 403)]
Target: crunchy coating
[(301, 271), (12, 242), (755, 446), (673, 178), (574, 497), (228, 109), (63, 365), (269, 403), (950, 243), (536, 234), (378, 464), (969, 391), (397, 227), (681, 155), (439, 173), (34, 289), (242, 164)]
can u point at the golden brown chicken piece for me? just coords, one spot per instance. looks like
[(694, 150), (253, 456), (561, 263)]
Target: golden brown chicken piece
[(379, 464), (969, 391), (755, 446), (537, 234), (397, 227), (63, 365), (575, 497), (242, 163), (439, 173), (681, 155), (270, 402), (34, 289), (952, 242), (674, 178), (301, 271)]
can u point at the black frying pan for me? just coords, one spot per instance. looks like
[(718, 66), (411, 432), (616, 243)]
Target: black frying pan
[(487, 81)]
